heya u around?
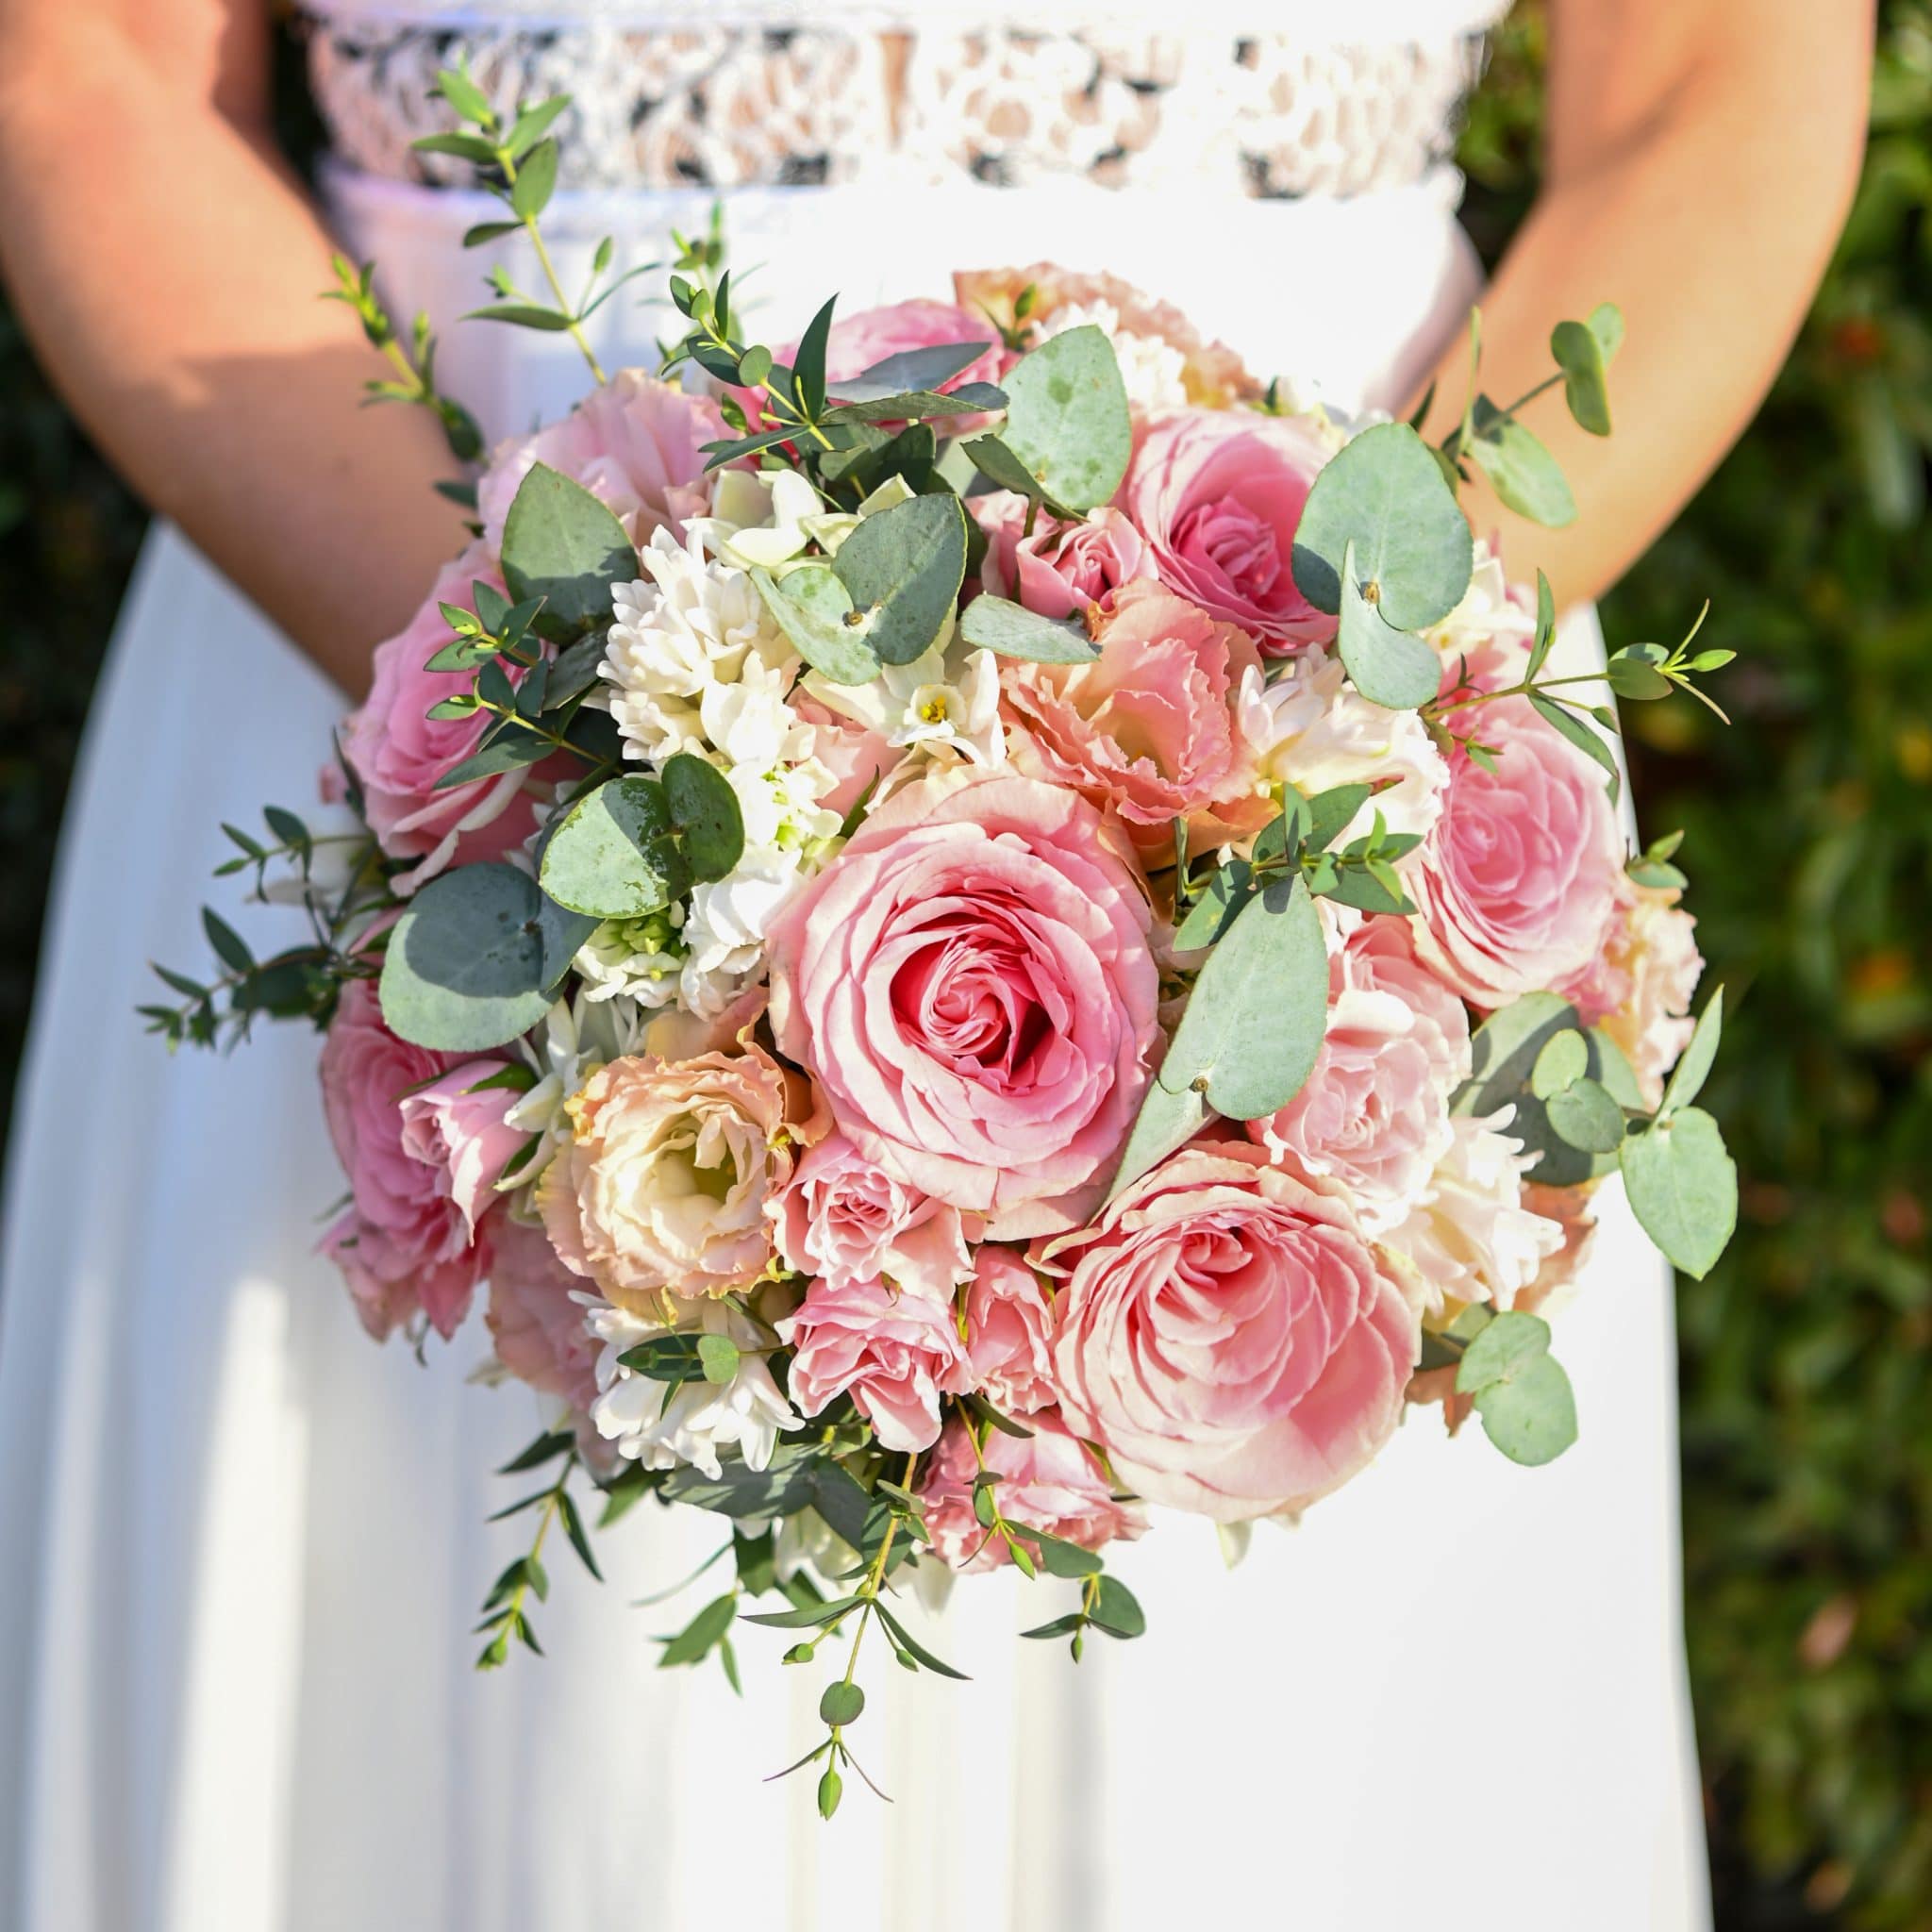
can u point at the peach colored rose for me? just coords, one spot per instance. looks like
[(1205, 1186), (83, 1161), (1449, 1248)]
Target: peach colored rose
[(1518, 882), (1007, 1332), (1218, 493), (1228, 1336), (1572, 1210), (1048, 1480), (669, 1178), (1639, 989), (1146, 730), (637, 445), (971, 983), (1372, 1120), (457, 1126), (536, 1319), (1061, 568), (844, 1219), (404, 1245), (399, 754), (894, 1354)]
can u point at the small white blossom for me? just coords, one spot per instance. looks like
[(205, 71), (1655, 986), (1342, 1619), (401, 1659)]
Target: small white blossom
[(1486, 611), (573, 1044), (634, 959), (944, 705)]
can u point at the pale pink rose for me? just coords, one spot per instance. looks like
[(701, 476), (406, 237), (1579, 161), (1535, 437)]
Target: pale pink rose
[(457, 1126), (1639, 989), (894, 1352), (1372, 1120), (637, 445), (536, 1320), (843, 1218), (1228, 1336), (670, 1174), (399, 754), (971, 983), (1518, 881), (1218, 495), (860, 757), (1147, 730), (1007, 1332), (404, 1244), (1048, 1481), (1061, 568)]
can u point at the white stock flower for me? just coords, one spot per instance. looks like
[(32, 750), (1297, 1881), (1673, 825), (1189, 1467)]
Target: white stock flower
[(701, 1417), (1312, 729), (633, 959), (575, 1043), (944, 705)]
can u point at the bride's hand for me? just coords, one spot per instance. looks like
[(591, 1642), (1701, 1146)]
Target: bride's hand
[(167, 264), (1702, 155)]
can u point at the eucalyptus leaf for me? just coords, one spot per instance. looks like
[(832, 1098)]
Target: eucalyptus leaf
[(1683, 1188), (1331, 813), (1389, 666), (468, 964), (928, 368), (1581, 356), (612, 856), (1226, 891), (1584, 1115), (1694, 1068), (1523, 1396), (705, 810), (1167, 1120), (1505, 1053), (560, 543), (968, 399), (1564, 1059), (814, 610), (1067, 420), (999, 624), (1117, 1611), (783, 1487), (904, 567), (1520, 469)]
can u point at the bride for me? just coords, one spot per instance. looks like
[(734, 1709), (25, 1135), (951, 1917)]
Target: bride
[(242, 1548)]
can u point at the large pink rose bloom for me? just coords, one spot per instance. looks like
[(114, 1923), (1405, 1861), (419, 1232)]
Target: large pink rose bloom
[(1007, 1332), (536, 1319), (399, 754), (459, 1126), (637, 445), (1146, 730), (1061, 568), (972, 985), (1372, 1120), (1048, 1480), (893, 1354), (1230, 1337), (1518, 882), (404, 1245), (845, 1218), (1218, 493)]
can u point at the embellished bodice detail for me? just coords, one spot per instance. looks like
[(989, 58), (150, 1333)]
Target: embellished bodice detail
[(808, 97)]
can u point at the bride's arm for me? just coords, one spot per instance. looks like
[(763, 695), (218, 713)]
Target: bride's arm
[(1702, 155), (166, 265)]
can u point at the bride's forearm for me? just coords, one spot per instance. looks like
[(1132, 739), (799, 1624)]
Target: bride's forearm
[(1698, 179), (167, 266)]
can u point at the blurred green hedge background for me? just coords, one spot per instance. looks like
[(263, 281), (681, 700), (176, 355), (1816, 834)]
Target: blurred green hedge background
[(1808, 1355)]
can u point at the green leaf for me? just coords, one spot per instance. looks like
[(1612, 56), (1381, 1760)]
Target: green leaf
[(1117, 1611), (490, 231), (1694, 1068), (1059, 1557), (971, 399), (1564, 721), (1606, 324), (1167, 1120), (1683, 1188), (535, 181), (1067, 421), (560, 543), (467, 147), (815, 611), (783, 1487), (910, 370), (1546, 625), (1564, 1059), (1384, 494), (522, 315), (808, 367), (1580, 356), (469, 100), (1633, 674), (1005, 471), (807, 1616), (546, 1448), (1228, 890), (904, 568), (1520, 470), (470, 963), (997, 624), (918, 1650), (693, 1642), (612, 856), (227, 942), (1584, 1114), (842, 1704), (1254, 1020), (705, 810), (718, 1355), (1523, 1396), (1389, 666), (533, 123), (1505, 1050)]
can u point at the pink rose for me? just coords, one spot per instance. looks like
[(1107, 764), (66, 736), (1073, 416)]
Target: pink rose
[(846, 1220), (1228, 1336), (457, 1126), (535, 1320), (399, 754), (1048, 1480), (970, 981), (893, 1354), (1218, 493), (1373, 1118), (1641, 986), (1061, 568), (1147, 730), (404, 1244), (1519, 879), (1007, 1324), (637, 445)]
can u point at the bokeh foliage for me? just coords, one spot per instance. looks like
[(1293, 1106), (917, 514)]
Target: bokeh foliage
[(1808, 1355)]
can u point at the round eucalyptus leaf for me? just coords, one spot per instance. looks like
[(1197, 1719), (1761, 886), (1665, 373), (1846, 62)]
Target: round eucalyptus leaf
[(842, 1704), (998, 624), (1505, 1051), (1636, 678), (469, 962), (1067, 420), (903, 568), (560, 543), (1167, 1120), (1585, 1116), (1389, 666), (1564, 1059), (1581, 356), (612, 857), (1520, 470), (816, 613), (1384, 492), (706, 811), (1683, 1188), (1503, 1346), (1532, 1416)]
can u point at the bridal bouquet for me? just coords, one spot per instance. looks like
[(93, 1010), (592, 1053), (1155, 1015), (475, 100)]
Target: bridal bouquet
[(976, 923)]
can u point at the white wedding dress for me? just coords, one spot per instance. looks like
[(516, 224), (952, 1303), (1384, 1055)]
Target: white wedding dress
[(243, 1546)]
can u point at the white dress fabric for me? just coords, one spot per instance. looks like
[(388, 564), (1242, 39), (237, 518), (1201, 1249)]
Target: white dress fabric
[(244, 1546)]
